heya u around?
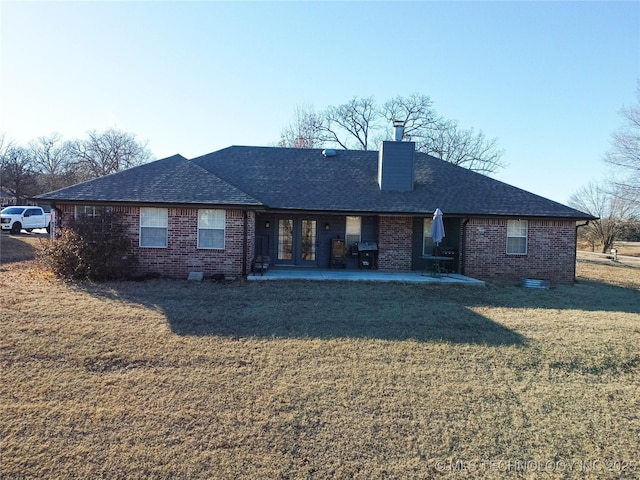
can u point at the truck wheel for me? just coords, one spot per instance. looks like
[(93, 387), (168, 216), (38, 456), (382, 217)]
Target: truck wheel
[(15, 228), (49, 228)]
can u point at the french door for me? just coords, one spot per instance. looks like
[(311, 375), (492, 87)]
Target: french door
[(297, 241), (308, 242)]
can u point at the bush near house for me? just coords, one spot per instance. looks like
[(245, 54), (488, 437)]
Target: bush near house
[(90, 248)]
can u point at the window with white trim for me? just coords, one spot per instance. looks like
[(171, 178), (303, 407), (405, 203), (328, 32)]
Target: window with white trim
[(154, 227), (427, 240), (211, 225), (517, 237), (353, 231)]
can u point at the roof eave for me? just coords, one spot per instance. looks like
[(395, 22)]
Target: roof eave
[(156, 203)]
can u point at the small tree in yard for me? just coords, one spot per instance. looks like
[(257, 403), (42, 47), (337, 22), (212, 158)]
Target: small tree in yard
[(90, 248), (613, 208)]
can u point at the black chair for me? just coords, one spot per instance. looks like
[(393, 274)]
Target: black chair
[(261, 264)]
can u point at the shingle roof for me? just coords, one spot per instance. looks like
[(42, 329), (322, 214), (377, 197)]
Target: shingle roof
[(303, 179), (171, 180)]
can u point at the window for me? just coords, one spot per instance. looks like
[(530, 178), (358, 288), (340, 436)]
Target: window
[(517, 237), (211, 224), (32, 212), (353, 232), (153, 227), (86, 210), (90, 211), (427, 241)]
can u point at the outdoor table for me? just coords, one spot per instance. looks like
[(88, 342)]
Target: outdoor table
[(436, 264)]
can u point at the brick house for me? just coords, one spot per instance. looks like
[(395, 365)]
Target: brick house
[(215, 213)]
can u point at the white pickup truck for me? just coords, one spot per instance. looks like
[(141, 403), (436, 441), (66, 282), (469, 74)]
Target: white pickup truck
[(26, 218)]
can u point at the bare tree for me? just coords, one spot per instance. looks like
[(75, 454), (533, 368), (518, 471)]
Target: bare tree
[(103, 153), (51, 158), (614, 211), (625, 147), (631, 231), (359, 122), (4, 145), (305, 131), (357, 118), (462, 147), (415, 111), (17, 175)]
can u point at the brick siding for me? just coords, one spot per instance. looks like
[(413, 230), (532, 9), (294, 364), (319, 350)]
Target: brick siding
[(394, 243), (551, 246), (182, 254), (551, 251)]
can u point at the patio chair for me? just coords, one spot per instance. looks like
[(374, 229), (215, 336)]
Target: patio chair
[(261, 264)]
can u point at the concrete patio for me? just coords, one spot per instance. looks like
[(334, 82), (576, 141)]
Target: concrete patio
[(363, 276)]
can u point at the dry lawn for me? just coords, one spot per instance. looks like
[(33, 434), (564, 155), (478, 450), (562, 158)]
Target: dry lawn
[(628, 248), (631, 249), (172, 379)]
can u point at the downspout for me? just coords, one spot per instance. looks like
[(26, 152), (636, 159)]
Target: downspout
[(575, 261), (463, 254), (244, 242), (58, 220)]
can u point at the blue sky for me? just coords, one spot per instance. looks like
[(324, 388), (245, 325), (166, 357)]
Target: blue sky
[(546, 78)]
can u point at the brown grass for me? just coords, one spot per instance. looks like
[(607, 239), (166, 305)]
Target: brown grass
[(16, 248), (631, 249), (628, 248), (171, 379)]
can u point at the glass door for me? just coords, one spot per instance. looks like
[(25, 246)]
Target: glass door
[(308, 242), (285, 240), (297, 241)]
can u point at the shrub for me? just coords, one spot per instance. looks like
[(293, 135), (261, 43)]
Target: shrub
[(90, 248)]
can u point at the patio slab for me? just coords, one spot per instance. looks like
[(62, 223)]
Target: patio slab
[(363, 276)]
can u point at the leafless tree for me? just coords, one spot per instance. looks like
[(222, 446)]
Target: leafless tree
[(359, 123), (357, 118), (465, 148), (5, 144), (103, 153), (415, 111), (614, 211), (51, 158), (625, 147), (305, 131), (17, 175)]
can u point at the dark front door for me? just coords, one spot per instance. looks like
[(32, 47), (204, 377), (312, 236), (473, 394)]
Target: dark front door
[(308, 242), (297, 241), (285, 241)]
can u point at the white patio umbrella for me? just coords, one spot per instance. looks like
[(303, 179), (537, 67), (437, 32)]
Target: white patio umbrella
[(437, 228)]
